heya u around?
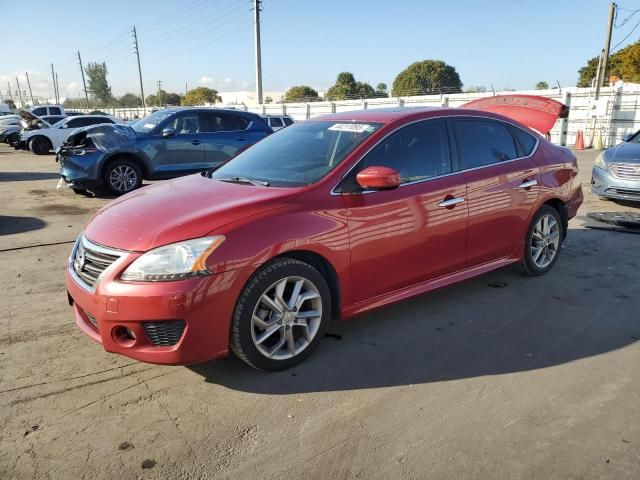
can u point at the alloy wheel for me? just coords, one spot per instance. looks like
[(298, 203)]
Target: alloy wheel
[(123, 178), (286, 318), (545, 241)]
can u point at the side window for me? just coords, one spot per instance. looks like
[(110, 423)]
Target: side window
[(40, 111), (221, 122), (526, 140), (76, 123), (185, 124), (417, 152), (483, 142), (55, 111), (288, 121), (276, 122)]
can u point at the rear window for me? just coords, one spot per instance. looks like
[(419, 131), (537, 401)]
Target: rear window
[(483, 142), (276, 122), (526, 140), (55, 111), (287, 121)]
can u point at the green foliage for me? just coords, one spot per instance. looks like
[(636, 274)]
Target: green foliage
[(346, 87), (10, 103), (381, 88), (476, 89), (97, 84), (428, 76), (163, 98), (129, 100), (624, 63), (542, 85), (268, 100), (301, 93), (200, 96)]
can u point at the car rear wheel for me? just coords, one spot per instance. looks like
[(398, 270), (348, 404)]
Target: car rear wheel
[(40, 145), (543, 242), (122, 176), (13, 138), (281, 315)]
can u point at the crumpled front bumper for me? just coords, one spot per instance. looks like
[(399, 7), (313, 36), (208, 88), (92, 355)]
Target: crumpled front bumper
[(80, 170), (605, 184)]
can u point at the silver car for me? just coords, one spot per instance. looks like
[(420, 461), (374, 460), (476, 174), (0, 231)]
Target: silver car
[(616, 171)]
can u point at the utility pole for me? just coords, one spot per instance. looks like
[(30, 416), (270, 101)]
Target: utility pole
[(256, 11), (30, 92), (19, 93), (602, 66), (160, 93), (137, 51), (84, 83), (53, 80), (57, 88), (9, 87)]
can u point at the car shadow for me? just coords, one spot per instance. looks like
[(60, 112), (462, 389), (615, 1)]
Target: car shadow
[(27, 176), (498, 323), (11, 225)]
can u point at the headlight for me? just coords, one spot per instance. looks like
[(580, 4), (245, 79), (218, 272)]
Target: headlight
[(600, 162), (173, 262)]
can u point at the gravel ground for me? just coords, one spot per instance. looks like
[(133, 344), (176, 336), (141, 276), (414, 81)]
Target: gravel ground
[(500, 376)]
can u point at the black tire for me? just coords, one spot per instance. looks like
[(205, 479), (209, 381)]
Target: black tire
[(83, 192), (133, 173), (40, 145), (13, 138), (242, 328), (527, 265)]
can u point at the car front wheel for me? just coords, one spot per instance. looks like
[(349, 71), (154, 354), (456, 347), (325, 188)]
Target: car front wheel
[(122, 176), (281, 315), (543, 242), (40, 145)]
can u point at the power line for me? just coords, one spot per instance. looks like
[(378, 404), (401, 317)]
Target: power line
[(626, 36)]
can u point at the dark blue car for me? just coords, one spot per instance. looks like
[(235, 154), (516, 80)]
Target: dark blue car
[(168, 143)]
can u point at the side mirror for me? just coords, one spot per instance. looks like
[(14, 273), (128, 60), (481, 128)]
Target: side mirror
[(65, 126), (167, 132), (625, 138), (378, 178)]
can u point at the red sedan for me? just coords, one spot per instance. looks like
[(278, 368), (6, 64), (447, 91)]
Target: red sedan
[(322, 220)]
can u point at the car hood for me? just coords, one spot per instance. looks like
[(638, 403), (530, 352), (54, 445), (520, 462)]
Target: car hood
[(536, 112), (106, 137), (180, 209), (29, 120), (624, 152)]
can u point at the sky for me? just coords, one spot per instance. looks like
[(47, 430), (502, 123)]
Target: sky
[(504, 43)]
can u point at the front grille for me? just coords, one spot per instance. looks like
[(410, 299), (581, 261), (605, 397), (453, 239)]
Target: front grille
[(627, 171), (625, 191), (164, 333), (90, 260)]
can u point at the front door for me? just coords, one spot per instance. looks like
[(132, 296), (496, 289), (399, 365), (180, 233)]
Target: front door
[(416, 232), (223, 136), (502, 186), (183, 151)]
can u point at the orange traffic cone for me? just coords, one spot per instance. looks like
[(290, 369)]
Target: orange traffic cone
[(579, 141)]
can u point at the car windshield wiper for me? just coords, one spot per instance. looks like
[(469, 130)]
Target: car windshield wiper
[(256, 183)]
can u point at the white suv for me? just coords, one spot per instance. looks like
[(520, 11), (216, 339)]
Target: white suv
[(276, 122), (46, 139)]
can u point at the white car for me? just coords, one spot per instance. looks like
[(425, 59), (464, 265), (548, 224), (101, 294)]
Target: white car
[(277, 122), (46, 139)]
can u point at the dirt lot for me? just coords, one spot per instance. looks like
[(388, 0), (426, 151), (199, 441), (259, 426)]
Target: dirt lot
[(498, 377)]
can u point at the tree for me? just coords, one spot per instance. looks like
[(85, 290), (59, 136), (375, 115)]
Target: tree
[(427, 76), (200, 96), (163, 98), (476, 89), (10, 103), (346, 87), (542, 85), (98, 86), (268, 100), (301, 93), (381, 87), (624, 63), (129, 100)]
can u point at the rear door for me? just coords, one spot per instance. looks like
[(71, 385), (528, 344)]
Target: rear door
[(223, 135), (413, 233), (502, 185)]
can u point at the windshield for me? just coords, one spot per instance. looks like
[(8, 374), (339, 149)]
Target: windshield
[(635, 138), (298, 155), (147, 124)]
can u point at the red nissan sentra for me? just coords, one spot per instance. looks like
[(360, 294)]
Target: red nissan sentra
[(322, 220)]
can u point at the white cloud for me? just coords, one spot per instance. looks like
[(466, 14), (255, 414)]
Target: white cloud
[(206, 80), (227, 80)]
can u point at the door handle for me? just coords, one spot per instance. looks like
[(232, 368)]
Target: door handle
[(528, 184), (195, 142), (451, 202)]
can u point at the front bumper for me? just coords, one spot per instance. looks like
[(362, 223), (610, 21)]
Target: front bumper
[(204, 304), (605, 184), (80, 170)]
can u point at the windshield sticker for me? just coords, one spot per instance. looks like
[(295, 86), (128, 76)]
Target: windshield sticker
[(351, 127)]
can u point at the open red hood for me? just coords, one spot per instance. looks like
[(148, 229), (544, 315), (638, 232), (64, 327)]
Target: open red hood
[(539, 113)]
